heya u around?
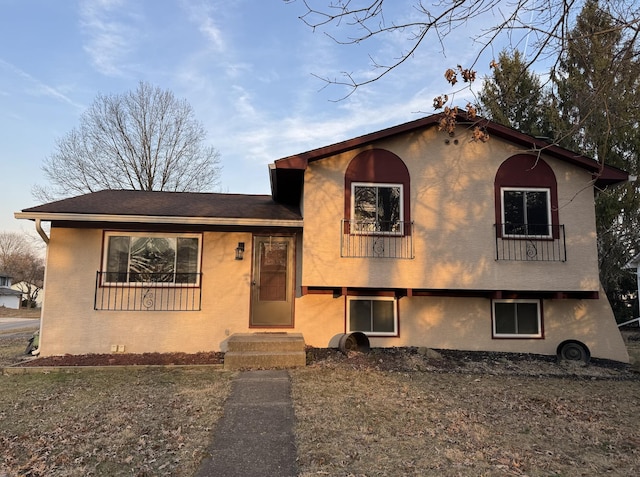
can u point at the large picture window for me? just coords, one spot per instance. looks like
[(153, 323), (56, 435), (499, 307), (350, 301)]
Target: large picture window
[(375, 316), (526, 212), (149, 258), (517, 319), (377, 208)]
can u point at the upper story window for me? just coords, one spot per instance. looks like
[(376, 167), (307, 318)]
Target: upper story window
[(526, 212), (526, 198), (377, 218), (151, 258), (376, 193), (377, 208)]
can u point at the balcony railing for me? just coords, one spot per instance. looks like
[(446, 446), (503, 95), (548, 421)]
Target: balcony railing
[(530, 242), (148, 291), (361, 239)]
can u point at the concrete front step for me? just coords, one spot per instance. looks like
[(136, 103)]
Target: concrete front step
[(265, 350), (265, 342)]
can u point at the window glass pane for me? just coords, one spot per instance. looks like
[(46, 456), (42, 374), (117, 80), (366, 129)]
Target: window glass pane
[(187, 260), (383, 316), (389, 208), (514, 218), (377, 208), (152, 259), (365, 207), (360, 315), (537, 212), (273, 271), (504, 316), (117, 259), (527, 318)]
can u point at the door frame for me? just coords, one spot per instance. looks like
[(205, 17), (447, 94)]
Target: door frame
[(258, 238)]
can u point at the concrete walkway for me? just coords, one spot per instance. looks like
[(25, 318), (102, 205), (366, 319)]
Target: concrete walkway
[(254, 437)]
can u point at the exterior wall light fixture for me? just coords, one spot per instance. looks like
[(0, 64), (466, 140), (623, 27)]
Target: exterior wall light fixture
[(240, 251)]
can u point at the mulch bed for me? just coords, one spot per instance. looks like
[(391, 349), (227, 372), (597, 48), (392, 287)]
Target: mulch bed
[(405, 359), (128, 359)]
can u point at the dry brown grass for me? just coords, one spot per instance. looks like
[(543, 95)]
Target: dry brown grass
[(107, 423), (12, 346), (632, 340), (364, 415), (19, 313), (365, 422)]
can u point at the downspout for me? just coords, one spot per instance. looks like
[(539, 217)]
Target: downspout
[(41, 232), (45, 238)]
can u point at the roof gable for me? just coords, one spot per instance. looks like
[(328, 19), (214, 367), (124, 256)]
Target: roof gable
[(286, 185)]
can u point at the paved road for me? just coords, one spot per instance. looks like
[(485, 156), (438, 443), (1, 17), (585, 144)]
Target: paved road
[(7, 324)]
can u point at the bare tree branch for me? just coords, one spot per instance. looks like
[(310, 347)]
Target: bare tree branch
[(545, 24)]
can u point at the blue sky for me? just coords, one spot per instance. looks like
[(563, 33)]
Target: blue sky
[(246, 66)]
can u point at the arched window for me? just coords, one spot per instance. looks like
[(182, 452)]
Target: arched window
[(526, 198), (376, 193)]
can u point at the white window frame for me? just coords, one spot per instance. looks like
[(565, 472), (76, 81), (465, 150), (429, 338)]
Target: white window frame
[(374, 298), (354, 229), (516, 335), (549, 233), (125, 233)]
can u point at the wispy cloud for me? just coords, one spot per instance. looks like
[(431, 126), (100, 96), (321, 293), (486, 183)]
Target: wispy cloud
[(110, 36), (37, 87), (203, 14)]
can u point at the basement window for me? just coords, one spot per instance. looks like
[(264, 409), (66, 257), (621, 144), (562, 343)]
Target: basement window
[(517, 319), (374, 316)]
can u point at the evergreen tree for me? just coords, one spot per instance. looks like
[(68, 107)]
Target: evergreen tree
[(597, 94), (514, 96)]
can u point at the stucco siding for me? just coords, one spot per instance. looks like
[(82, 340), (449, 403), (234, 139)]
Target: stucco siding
[(465, 324), (453, 209), (71, 325)]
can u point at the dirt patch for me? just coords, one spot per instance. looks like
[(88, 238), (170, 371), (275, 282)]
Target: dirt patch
[(451, 361)]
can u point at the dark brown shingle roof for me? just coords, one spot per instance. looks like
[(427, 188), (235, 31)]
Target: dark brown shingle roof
[(171, 204)]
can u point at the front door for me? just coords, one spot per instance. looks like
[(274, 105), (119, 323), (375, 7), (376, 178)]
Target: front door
[(273, 281)]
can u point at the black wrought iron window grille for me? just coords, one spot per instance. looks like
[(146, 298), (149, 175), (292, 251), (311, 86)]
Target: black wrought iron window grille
[(530, 242), (148, 291)]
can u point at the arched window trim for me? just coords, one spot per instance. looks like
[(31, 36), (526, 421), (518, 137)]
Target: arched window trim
[(378, 167), (525, 172)]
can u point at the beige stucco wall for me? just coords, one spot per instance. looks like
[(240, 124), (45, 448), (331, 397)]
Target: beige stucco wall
[(452, 207), (71, 325), (465, 323)]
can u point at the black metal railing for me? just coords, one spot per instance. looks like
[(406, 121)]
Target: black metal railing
[(530, 242), (148, 291), (362, 239)]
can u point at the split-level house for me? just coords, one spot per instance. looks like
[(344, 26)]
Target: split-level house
[(409, 235)]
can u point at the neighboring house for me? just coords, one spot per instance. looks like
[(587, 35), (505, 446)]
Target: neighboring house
[(8, 298), (411, 235), (26, 288)]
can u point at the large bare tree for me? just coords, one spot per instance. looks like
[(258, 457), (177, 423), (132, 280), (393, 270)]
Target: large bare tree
[(145, 139)]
